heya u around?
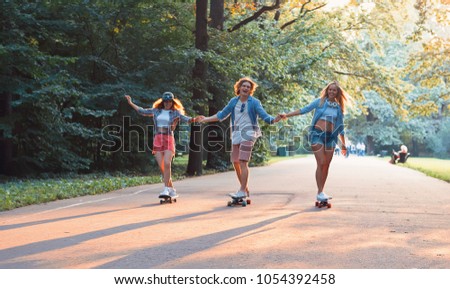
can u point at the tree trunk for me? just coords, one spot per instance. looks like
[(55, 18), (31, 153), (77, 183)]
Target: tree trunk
[(214, 134), (6, 147), (216, 13), (194, 166), (370, 146)]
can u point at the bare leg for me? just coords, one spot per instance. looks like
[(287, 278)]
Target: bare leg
[(323, 160), (159, 156), (244, 176), (168, 156), (328, 157), (164, 160), (238, 169)]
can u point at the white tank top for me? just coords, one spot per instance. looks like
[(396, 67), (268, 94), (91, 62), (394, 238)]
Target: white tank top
[(163, 120)]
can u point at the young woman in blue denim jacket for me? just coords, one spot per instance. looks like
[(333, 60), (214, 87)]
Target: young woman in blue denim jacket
[(326, 126), (167, 112), (244, 110)]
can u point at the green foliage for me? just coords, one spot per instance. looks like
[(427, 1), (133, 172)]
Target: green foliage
[(68, 65), (28, 192), (411, 79), (437, 139)]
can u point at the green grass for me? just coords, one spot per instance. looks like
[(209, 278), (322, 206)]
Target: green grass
[(19, 193), (436, 168)]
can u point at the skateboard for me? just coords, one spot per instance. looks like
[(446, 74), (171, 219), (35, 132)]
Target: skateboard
[(321, 204), (168, 199), (239, 202)]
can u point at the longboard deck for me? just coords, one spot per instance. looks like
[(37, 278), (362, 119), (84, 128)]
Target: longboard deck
[(239, 202), (167, 199), (322, 204)]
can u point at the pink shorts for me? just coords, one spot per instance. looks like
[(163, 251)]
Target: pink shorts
[(163, 142), (242, 151)]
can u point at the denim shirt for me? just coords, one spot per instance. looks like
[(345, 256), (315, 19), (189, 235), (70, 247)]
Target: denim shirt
[(254, 109), (155, 112), (319, 110)]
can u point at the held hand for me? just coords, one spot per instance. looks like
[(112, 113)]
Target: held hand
[(283, 116), (199, 118), (277, 119), (344, 150), (128, 98), (280, 116)]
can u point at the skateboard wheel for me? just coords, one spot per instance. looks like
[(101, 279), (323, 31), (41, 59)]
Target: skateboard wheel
[(229, 204), (244, 203), (161, 202), (317, 204), (249, 202), (328, 205), (175, 200)]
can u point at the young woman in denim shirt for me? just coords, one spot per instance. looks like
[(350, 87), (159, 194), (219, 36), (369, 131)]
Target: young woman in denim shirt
[(244, 110), (167, 112), (326, 126)]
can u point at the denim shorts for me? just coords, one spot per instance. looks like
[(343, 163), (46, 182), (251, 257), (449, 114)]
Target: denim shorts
[(316, 136)]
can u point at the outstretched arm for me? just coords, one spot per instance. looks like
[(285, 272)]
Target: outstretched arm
[(130, 102), (213, 118), (140, 110), (197, 118), (289, 114)]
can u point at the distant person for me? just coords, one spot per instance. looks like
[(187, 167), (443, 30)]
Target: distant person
[(326, 126), (361, 149), (244, 110), (399, 156), (337, 150), (166, 112)]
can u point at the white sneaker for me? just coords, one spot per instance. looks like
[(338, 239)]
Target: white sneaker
[(165, 192), (233, 195), (172, 192), (240, 195), (322, 197)]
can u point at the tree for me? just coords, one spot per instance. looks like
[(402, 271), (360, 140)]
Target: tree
[(199, 93)]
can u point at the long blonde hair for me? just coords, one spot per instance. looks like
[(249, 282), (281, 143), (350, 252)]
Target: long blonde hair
[(342, 96), (176, 105)]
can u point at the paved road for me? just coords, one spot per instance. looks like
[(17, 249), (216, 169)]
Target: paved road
[(383, 216)]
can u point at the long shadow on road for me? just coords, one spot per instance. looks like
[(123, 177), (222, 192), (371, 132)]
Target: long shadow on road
[(154, 257), (60, 243)]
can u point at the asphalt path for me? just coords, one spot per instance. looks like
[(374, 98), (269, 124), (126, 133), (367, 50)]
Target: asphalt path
[(382, 216)]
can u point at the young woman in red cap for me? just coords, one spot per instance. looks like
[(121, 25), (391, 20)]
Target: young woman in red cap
[(166, 112)]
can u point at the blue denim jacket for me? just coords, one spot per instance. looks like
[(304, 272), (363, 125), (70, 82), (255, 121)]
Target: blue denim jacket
[(155, 112), (315, 104), (254, 109)]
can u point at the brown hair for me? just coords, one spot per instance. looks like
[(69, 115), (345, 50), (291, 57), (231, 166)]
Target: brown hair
[(239, 83), (342, 96), (176, 105)]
